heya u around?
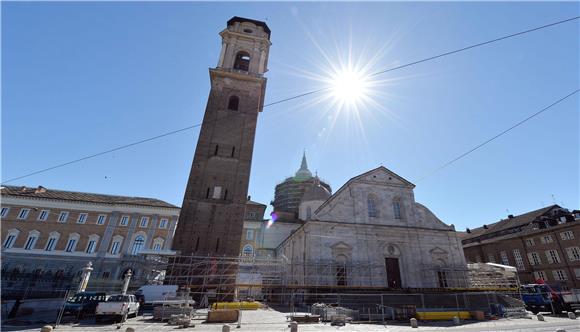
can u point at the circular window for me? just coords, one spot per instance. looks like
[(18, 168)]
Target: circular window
[(248, 31)]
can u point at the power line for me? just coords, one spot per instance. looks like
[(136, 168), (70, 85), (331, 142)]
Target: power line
[(498, 135), (294, 97), (103, 152), (476, 45)]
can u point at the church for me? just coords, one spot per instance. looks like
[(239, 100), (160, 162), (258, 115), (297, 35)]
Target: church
[(371, 234)]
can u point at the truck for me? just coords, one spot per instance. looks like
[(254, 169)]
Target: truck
[(541, 297), (117, 307), (155, 293)]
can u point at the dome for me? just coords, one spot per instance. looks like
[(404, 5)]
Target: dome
[(316, 193)]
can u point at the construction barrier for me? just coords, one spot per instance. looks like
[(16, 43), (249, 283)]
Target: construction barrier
[(222, 316), (442, 315), (244, 305)]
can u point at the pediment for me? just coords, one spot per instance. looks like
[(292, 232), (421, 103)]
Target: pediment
[(438, 251), (384, 176), (341, 246)]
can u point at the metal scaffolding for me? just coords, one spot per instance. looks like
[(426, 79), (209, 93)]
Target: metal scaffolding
[(216, 278)]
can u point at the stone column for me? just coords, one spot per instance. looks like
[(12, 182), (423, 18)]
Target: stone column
[(85, 277)]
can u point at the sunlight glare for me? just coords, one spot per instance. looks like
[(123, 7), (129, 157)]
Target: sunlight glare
[(349, 86)]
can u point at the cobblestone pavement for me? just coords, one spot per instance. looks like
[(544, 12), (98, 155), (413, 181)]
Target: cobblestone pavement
[(271, 320)]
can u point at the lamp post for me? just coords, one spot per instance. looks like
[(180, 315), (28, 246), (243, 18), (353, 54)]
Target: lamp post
[(85, 277), (126, 283)]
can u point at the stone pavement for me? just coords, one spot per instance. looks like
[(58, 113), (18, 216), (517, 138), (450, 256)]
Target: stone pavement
[(271, 320)]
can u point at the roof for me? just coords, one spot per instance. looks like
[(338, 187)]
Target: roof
[(504, 224), (316, 193), (258, 23), (73, 196), (250, 202)]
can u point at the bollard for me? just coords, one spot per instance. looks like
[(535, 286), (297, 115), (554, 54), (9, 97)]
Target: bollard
[(293, 327), (46, 328), (129, 329), (226, 328), (456, 320), (571, 315), (414, 323), (540, 317)]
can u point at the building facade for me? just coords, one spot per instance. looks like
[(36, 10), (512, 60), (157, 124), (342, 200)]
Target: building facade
[(211, 220), (541, 244), (52, 234), (372, 234), (254, 224)]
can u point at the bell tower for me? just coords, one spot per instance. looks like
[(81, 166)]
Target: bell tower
[(212, 213)]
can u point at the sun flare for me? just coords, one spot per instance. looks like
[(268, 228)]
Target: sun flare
[(349, 86)]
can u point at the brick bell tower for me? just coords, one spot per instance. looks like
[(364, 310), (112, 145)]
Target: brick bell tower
[(211, 219)]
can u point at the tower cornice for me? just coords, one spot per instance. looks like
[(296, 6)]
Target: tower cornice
[(237, 74), (228, 33)]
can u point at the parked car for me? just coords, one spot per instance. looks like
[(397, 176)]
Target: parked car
[(83, 304), (117, 307)]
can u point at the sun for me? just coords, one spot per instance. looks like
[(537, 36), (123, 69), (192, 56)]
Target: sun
[(349, 86)]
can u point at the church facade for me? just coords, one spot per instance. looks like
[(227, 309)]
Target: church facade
[(372, 234)]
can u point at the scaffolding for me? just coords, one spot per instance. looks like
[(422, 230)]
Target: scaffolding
[(222, 278), (493, 276)]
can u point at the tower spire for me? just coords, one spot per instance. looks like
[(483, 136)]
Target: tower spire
[(304, 164), (303, 172)]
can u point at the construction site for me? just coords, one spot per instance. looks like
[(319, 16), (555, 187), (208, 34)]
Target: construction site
[(216, 290), (273, 282)]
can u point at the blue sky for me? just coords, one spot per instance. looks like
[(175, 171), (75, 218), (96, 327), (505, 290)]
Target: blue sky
[(79, 78)]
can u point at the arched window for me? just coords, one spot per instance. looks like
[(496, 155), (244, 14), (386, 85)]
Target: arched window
[(158, 244), (397, 209), (138, 245), (248, 250), (242, 61), (233, 103), (372, 206)]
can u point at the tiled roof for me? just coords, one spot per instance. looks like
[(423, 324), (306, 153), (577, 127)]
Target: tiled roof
[(250, 202), (72, 196), (504, 224)]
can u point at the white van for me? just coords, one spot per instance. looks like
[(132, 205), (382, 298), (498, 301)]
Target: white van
[(153, 293)]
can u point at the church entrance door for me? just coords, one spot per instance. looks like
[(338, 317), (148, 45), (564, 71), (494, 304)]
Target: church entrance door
[(393, 272)]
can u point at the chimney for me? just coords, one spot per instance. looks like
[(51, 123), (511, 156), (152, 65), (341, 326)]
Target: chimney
[(468, 230), (510, 216), (485, 227), (249, 198)]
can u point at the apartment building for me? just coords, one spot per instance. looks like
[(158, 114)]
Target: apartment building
[(541, 244), (52, 234)]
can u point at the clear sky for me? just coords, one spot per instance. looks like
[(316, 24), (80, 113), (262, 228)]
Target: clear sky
[(79, 78)]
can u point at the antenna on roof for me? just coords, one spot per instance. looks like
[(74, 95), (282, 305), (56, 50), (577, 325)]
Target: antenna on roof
[(553, 199)]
